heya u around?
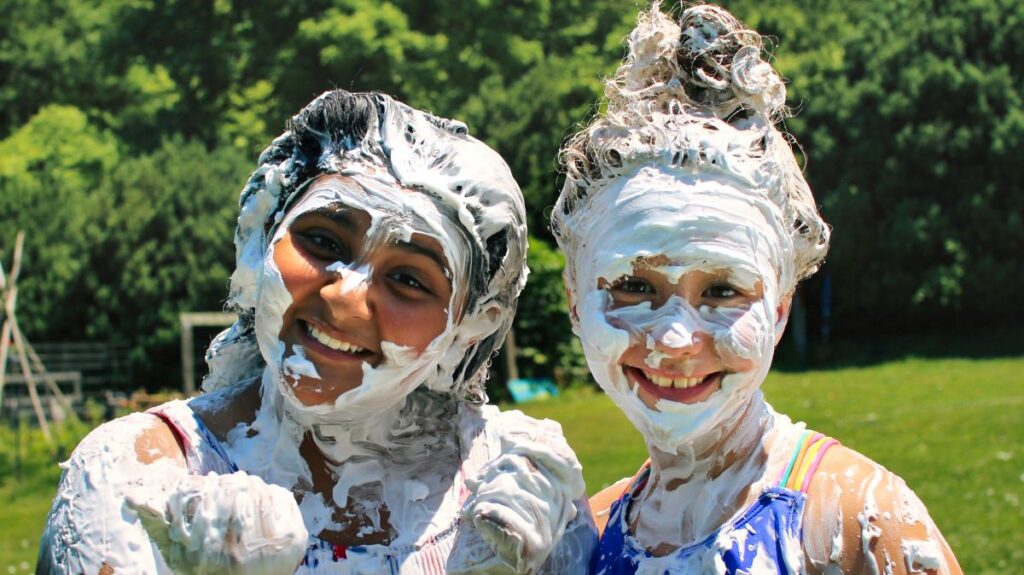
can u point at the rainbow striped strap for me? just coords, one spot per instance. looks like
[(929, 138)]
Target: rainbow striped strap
[(807, 456)]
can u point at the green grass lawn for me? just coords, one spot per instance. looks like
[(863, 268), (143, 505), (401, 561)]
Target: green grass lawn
[(954, 429)]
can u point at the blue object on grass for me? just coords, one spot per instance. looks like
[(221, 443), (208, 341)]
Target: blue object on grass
[(529, 389)]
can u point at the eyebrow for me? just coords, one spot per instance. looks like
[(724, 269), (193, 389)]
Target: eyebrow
[(338, 215), (425, 251)]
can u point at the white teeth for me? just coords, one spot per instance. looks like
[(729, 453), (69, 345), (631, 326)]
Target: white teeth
[(679, 383), (331, 342)]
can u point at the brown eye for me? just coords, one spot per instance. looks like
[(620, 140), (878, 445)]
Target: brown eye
[(633, 286), (721, 291), (406, 280), (324, 245)]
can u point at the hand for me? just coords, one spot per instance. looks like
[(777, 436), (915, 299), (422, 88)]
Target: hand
[(522, 501), (233, 523)]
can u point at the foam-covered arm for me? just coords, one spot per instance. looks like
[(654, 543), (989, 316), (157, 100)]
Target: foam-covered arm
[(127, 504), (522, 501), (89, 528), (234, 523)]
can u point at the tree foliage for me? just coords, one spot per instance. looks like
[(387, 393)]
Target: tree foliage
[(127, 127)]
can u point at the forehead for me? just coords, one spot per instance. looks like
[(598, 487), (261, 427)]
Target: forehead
[(379, 199), (679, 222), (385, 213)]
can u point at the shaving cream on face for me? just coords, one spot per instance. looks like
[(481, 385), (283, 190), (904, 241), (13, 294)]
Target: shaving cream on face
[(682, 222), (388, 147), (394, 216), (393, 442)]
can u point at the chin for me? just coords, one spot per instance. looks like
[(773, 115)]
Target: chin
[(312, 392)]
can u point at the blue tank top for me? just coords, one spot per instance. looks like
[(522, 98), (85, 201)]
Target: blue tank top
[(765, 539)]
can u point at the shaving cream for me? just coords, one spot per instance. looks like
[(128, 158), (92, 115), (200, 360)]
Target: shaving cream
[(409, 450), (685, 173)]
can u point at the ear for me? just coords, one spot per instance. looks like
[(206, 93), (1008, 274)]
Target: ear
[(571, 302), (782, 316)]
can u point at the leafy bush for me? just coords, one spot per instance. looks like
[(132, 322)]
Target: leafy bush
[(547, 346)]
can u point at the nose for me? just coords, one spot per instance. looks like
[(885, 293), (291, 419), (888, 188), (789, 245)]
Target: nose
[(348, 294), (679, 331), (676, 339)]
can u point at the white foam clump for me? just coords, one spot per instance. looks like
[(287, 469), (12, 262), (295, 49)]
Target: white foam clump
[(233, 523), (250, 242), (298, 365), (113, 510), (522, 500), (921, 555)]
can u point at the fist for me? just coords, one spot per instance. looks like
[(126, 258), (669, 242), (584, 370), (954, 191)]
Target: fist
[(521, 502), (234, 523)]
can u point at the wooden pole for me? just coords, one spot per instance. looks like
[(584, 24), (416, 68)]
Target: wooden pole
[(40, 368), (4, 344), (11, 329), (10, 292), (30, 381), (510, 355)]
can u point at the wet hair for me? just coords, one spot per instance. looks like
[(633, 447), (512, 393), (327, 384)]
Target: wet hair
[(371, 136), (695, 95)]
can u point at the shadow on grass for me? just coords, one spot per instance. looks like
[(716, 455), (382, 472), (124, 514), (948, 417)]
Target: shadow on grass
[(892, 344)]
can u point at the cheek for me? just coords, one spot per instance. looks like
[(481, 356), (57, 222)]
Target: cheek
[(298, 275), (411, 325), (743, 346)]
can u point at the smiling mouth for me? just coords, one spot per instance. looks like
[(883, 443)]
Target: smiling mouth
[(677, 389), (323, 338)]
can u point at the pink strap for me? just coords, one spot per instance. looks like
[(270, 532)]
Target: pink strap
[(813, 467), (179, 435)]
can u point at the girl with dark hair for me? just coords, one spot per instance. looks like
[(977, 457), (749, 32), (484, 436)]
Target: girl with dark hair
[(380, 253)]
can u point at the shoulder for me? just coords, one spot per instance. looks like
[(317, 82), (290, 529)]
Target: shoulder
[(89, 525), (224, 408), (602, 501), (140, 437), (863, 518)]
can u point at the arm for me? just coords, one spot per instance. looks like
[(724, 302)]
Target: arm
[(572, 553), (90, 529), (527, 508), (127, 504), (864, 519)]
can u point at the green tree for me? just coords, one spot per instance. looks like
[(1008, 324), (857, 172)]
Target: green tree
[(547, 346), (913, 149), (50, 169), (162, 245)]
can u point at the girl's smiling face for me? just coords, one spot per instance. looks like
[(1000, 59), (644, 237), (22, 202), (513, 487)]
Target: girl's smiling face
[(680, 365), (359, 280), (399, 293), (676, 287)]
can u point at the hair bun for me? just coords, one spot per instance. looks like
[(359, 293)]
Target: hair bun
[(707, 60), (695, 95)]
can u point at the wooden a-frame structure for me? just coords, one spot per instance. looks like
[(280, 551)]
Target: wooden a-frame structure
[(31, 365)]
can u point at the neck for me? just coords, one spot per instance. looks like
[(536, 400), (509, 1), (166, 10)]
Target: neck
[(393, 468), (708, 480)]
